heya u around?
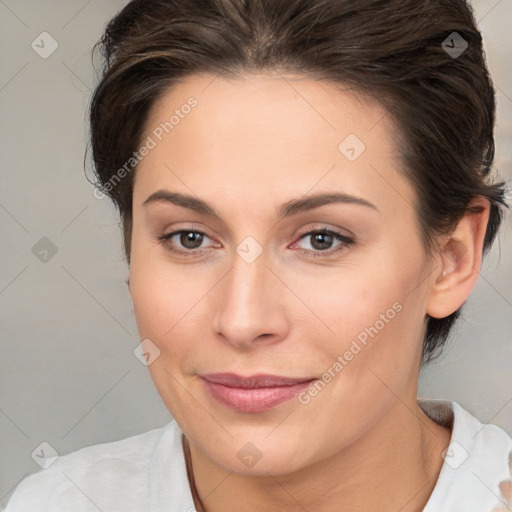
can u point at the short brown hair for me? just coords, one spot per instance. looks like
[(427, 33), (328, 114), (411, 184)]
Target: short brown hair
[(392, 50)]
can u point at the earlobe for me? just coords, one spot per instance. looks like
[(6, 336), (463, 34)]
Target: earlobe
[(460, 258)]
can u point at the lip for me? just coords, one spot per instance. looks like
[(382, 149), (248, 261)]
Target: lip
[(254, 393)]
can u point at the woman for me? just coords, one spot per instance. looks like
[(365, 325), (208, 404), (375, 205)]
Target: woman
[(305, 196)]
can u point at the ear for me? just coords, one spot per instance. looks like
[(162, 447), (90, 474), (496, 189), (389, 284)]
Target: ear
[(460, 261)]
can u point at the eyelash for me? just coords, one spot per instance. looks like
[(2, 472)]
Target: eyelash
[(346, 242)]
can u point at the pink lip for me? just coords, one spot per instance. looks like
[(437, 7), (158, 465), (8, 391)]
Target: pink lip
[(254, 393)]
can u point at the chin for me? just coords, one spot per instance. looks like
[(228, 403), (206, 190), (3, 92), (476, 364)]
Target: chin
[(258, 455), (274, 464)]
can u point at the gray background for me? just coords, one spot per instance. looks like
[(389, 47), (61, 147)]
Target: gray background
[(68, 375)]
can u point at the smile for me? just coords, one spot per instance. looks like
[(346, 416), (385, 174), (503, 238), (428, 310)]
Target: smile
[(254, 393)]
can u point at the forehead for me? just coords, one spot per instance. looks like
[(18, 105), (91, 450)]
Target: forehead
[(270, 135), (268, 106)]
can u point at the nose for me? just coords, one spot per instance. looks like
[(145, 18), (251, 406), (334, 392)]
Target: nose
[(250, 305)]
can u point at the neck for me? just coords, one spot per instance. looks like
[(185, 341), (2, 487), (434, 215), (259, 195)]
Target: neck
[(395, 465)]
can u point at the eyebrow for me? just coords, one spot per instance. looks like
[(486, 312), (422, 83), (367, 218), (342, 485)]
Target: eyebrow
[(292, 207)]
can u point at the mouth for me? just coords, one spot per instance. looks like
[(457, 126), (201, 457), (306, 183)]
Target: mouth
[(255, 393)]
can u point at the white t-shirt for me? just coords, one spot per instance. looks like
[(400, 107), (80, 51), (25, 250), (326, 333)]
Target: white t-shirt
[(147, 472)]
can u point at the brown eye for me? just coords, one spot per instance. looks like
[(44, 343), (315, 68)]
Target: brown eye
[(184, 242), (321, 242), (191, 239)]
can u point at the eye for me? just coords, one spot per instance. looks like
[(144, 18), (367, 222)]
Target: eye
[(190, 240), (321, 241)]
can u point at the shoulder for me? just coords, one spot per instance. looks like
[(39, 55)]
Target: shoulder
[(107, 476), (476, 473)]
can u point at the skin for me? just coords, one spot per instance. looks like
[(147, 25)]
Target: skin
[(252, 144)]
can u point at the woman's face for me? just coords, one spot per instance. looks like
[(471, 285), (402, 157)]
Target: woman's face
[(254, 292)]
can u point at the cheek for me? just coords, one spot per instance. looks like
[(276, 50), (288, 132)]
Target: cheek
[(164, 312), (376, 319), (170, 308), (151, 304), (160, 297), (357, 302)]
